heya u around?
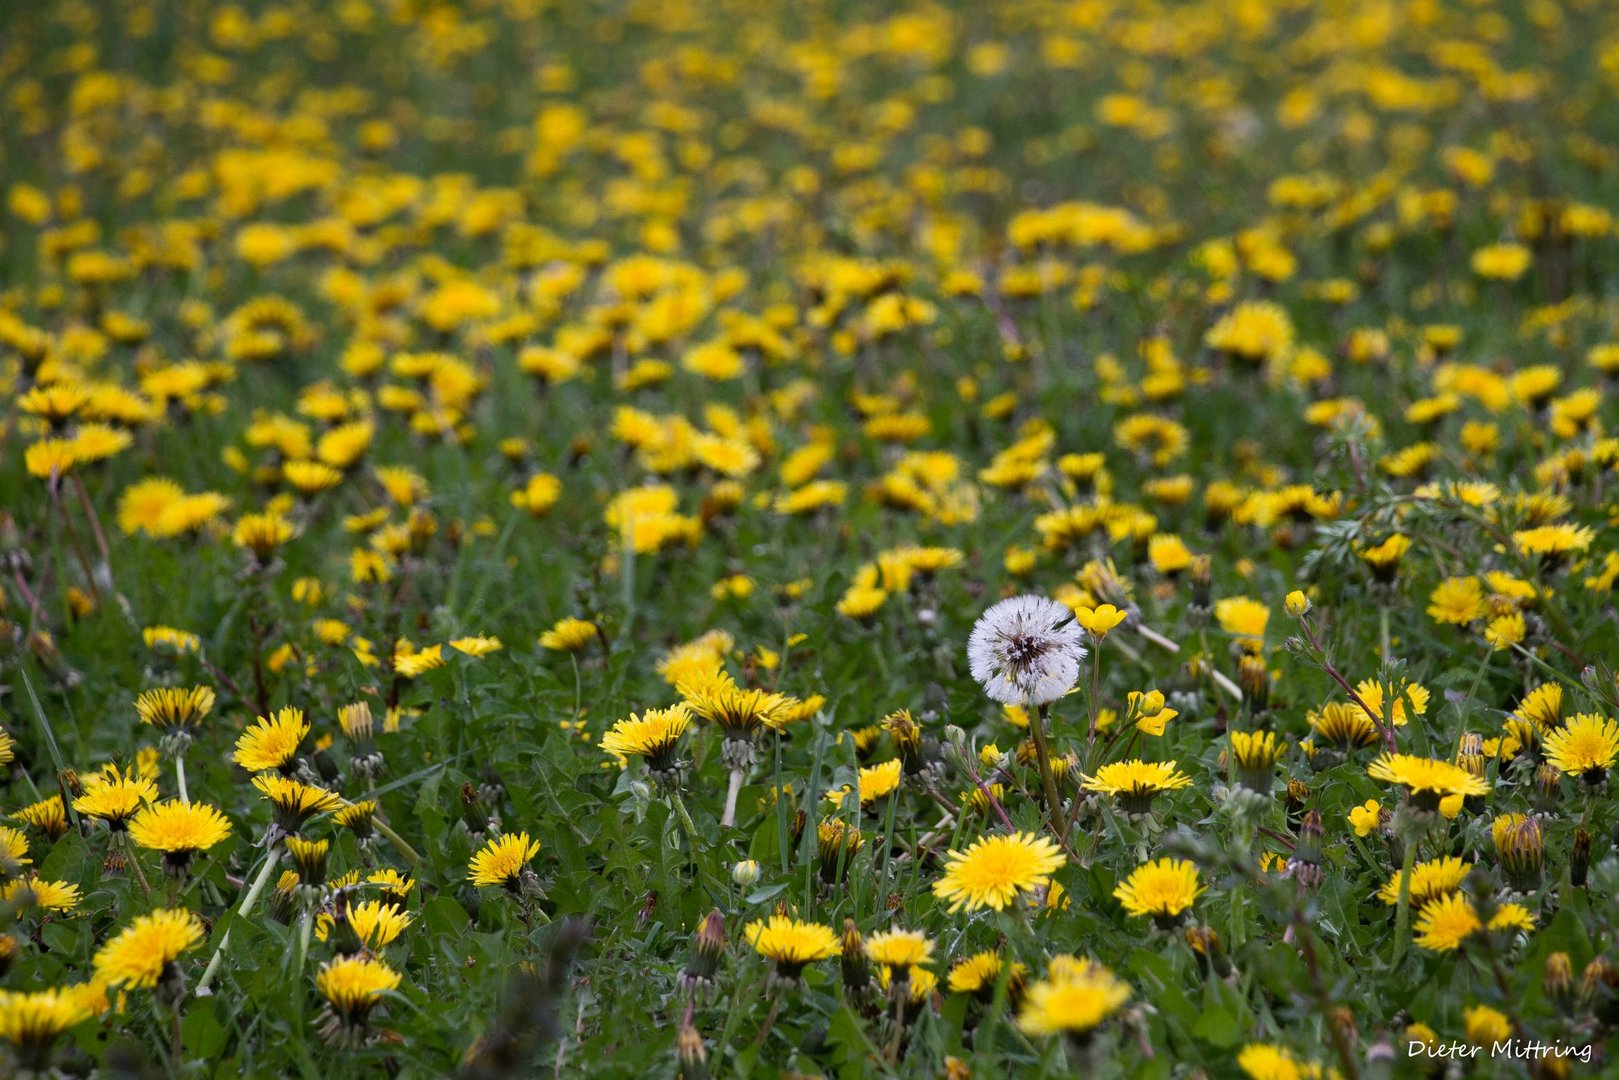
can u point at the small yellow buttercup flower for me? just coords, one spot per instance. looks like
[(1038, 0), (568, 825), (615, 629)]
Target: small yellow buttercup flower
[(1098, 621)]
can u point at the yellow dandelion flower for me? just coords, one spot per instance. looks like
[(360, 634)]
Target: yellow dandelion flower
[(141, 954), (36, 892), (377, 923), (295, 802), (1136, 783), (172, 707), (569, 635), (654, 735), (354, 985), (1430, 881), (1162, 889), (1073, 999), (1427, 780), (791, 944), (179, 829), (272, 743), (899, 948), (477, 647), (992, 872), (502, 860), (114, 797), (32, 1020), (1585, 747)]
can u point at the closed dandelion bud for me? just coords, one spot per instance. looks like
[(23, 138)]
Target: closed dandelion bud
[(115, 864), (1558, 979), (1298, 793), (309, 856), (422, 526), (1579, 861), (707, 946), (359, 728), (978, 802), (1201, 601), (284, 900), (745, 873), (1548, 786), (906, 734), (1420, 1034), (1344, 1022), (1597, 985), (474, 810), (693, 1058), (836, 845), (866, 740), (1026, 754), (326, 767), (1551, 1068), (1063, 766), (492, 788), (855, 967), (1309, 837), (360, 819), (1207, 944), (1255, 755), (1297, 604), (1254, 678), (1304, 866), (71, 782), (340, 933), (1520, 846), (1470, 758), (799, 823)]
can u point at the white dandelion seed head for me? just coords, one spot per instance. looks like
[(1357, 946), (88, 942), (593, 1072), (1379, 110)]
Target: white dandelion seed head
[(1025, 651)]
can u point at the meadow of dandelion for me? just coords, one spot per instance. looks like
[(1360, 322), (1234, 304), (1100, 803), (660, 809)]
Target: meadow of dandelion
[(1017, 537)]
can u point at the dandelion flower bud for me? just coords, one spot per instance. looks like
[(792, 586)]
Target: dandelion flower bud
[(1558, 979), (836, 845), (693, 1058), (856, 969), (906, 734), (284, 900), (1206, 943), (1298, 793), (1548, 786), (1254, 678), (1297, 603), (1597, 985), (745, 873), (707, 946), (1520, 846), (1255, 755)]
